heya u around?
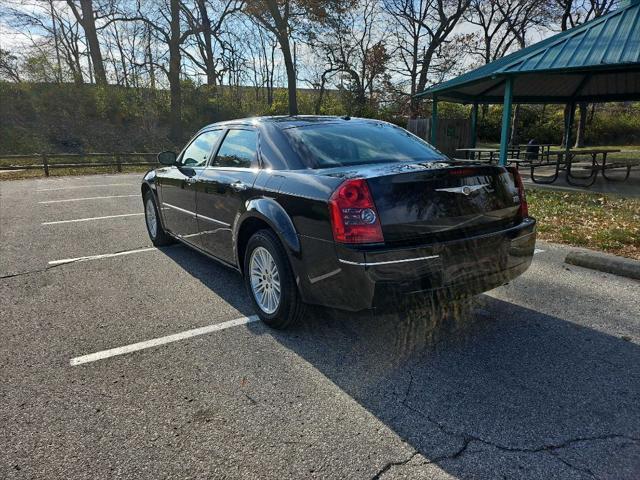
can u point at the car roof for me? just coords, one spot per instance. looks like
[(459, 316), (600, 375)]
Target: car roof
[(290, 121)]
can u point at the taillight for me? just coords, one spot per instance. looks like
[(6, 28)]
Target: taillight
[(523, 211), (354, 217)]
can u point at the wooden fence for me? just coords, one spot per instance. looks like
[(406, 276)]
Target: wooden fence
[(451, 135), (75, 160)]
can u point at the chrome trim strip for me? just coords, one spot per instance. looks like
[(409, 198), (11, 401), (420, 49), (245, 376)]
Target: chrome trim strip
[(209, 219), (465, 189), (325, 276), (188, 212), (371, 264), (197, 215)]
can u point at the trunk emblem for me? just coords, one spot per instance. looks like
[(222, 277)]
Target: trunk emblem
[(465, 190)]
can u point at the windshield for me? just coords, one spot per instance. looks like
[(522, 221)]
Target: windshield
[(340, 144)]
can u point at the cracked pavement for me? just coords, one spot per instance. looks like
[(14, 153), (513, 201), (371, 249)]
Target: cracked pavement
[(536, 379)]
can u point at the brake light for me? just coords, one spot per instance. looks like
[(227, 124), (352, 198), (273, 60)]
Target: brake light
[(523, 211), (354, 217), (463, 171)]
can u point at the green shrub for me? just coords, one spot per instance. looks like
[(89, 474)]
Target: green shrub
[(36, 117)]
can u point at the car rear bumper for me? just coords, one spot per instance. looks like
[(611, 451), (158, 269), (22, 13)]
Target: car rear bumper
[(353, 279)]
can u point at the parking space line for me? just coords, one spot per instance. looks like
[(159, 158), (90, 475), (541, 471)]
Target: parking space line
[(92, 218), (134, 347), (87, 186), (100, 256), (537, 250), (87, 198)]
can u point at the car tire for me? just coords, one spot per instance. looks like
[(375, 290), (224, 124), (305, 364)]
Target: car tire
[(157, 234), (263, 248)]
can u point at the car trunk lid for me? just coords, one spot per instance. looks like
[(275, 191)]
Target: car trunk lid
[(443, 203)]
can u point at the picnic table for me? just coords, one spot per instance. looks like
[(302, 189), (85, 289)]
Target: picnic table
[(548, 157), (486, 155), (489, 154), (597, 164)]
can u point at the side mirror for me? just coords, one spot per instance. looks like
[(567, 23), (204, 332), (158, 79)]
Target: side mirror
[(167, 158)]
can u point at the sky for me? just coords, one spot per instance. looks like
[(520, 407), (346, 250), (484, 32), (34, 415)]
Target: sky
[(15, 40)]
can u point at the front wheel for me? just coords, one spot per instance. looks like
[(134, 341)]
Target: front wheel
[(157, 234), (270, 282)]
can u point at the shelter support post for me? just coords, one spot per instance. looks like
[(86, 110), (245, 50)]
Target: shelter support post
[(506, 119), (568, 126), (434, 121), (474, 124)]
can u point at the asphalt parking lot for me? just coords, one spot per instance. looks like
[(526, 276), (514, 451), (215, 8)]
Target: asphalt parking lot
[(536, 379)]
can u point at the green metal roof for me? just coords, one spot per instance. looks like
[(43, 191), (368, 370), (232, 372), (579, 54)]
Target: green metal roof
[(597, 61)]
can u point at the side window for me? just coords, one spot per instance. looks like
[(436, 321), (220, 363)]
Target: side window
[(238, 150), (198, 151)]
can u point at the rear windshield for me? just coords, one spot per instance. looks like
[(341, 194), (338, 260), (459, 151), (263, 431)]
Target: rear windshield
[(340, 144)]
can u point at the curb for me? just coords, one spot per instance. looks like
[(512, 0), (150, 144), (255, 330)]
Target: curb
[(625, 267)]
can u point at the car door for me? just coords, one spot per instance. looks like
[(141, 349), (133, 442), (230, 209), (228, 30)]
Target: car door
[(177, 186), (223, 187)]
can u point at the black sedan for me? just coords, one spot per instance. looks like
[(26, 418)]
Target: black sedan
[(340, 212)]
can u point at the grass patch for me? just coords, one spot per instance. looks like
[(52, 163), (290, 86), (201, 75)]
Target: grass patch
[(600, 222)]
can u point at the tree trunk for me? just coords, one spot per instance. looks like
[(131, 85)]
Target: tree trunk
[(513, 137), (291, 74), (582, 121), (123, 63), (422, 82), (271, 74), (149, 59), (318, 104), (89, 26), (209, 60), (55, 42), (280, 28), (175, 132)]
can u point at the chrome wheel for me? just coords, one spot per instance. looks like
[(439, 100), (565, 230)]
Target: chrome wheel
[(265, 280), (152, 221)]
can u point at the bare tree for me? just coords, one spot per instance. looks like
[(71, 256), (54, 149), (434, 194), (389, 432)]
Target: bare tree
[(208, 32), (166, 29), (267, 62), (46, 30), (280, 17), (494, 39), (353, 47), (9, 67), (572, 13), (277, 17), (86, 17), (261, 51), (422, 27)]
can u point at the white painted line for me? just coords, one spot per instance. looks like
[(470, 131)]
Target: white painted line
[(537, 250), (134, 347), (86, 198), (87, 186), (101, 256), (92, 218)]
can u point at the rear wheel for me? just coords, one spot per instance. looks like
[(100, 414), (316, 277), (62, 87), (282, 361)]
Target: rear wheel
[(152, 219), (270, 282)]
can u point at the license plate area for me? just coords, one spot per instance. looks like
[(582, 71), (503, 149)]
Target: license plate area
[(474, 260)]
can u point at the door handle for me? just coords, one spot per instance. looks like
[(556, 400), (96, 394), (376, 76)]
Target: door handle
[(239, 186)]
